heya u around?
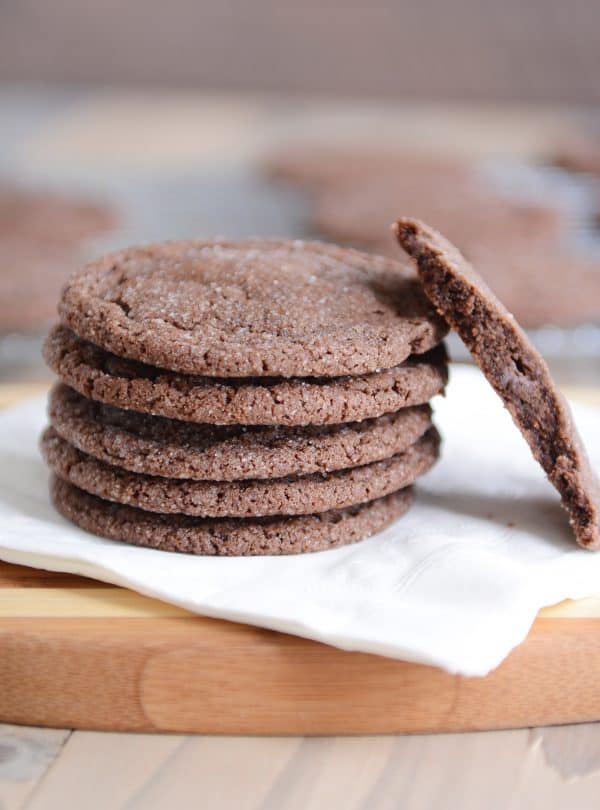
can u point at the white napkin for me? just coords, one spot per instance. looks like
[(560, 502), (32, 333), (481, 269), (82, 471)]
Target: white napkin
[(456, 582)]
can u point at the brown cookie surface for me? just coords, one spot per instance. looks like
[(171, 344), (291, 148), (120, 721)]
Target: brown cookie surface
[(127, 384), (282, 496), (154, 445), (259, 536), (522, 251), (252, 308), (530, 280), (513, 367)]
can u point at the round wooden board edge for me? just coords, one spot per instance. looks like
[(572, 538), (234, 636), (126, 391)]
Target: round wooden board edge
[(218, 677)]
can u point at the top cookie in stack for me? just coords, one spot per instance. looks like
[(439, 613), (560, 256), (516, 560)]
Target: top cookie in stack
[(253, 397)]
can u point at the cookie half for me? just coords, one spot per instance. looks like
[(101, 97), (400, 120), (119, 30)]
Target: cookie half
[(261, 536), (154, 445), (513, 367), (252, 308), (529, 278), (101, 376), (282, 496)]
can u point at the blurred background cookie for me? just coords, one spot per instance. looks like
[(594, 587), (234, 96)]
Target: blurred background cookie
[(581, 154), (528, 228), (43, 239)]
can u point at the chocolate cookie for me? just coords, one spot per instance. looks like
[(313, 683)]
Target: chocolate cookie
[(530, 280), (318, 166), (42, 217), (520, 250), (580, 155), (31, 277), (471, 214), (252, 308), (41, 244), (157, 446), (127, 384), (282, 496), (259, 536), (513, 367)]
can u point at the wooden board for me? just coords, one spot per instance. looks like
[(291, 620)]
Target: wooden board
[(77, 654), (81, 654)]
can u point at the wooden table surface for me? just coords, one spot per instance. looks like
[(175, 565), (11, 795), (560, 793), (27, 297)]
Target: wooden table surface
[(104, 141), (539, 769)]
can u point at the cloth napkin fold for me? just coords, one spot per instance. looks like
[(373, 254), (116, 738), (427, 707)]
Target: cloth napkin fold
[(455, 583)]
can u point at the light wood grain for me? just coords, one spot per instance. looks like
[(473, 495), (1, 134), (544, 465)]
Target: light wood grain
[(106, 771), (79, 655), (25, 756), (203, 675), (108, 602), (545, 769)]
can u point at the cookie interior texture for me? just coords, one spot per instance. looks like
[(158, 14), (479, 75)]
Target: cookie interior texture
[(225, 536), (252, 308), (514, 368)]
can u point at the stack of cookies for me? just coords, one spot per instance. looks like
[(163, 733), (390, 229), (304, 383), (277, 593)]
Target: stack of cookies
[(254, 397)]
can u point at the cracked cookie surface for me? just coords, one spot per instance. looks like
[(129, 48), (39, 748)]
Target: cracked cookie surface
[(252, 308), (127, 384), (297, 495), (154, 445), (227, 537)]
